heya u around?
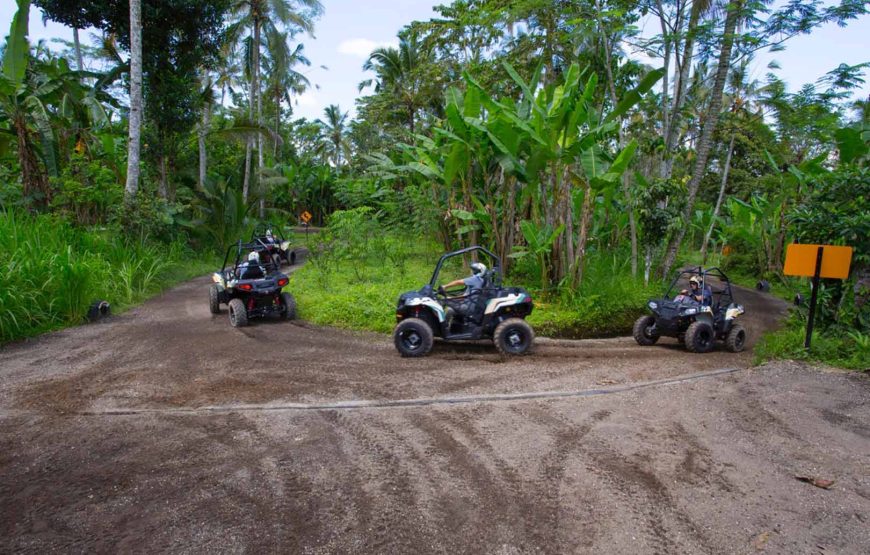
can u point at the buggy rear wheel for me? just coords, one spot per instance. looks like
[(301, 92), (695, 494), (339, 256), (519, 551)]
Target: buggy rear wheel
[(735, 341), (514, 336), (289, 306), (238, 313), (644, 331), (413, 338), (700, 337), (214, 301)]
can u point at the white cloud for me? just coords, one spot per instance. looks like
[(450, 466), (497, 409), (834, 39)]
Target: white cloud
[(306, 99), (360, 48)]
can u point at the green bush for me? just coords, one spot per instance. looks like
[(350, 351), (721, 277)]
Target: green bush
[(86, 191)]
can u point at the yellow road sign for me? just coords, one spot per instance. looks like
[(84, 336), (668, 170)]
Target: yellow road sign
[(306, 216), (800, 260)]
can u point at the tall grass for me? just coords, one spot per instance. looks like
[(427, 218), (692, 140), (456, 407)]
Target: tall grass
[(52, 272)]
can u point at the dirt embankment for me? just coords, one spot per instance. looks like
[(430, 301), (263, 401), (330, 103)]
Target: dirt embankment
[(203, 458)]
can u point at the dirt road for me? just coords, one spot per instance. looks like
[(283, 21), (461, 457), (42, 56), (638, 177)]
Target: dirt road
[(166, 430)]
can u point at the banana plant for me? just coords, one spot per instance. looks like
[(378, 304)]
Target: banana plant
[(494, 163)]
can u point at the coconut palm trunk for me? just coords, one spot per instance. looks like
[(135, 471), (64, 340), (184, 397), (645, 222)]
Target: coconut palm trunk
[(78, 49), (203, 130), (135, 118), (259, 97), (719, 200), (711, 118)]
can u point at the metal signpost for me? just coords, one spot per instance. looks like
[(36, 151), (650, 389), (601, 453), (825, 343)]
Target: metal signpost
[(816, 261)]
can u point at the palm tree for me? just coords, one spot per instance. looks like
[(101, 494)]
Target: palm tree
[(135, 118), (396, 74), (741, 94), (711, 118), (283, 80), (335, 129), (266, 15)]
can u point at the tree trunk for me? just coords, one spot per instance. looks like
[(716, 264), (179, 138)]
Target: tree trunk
[(585, 219), (203, 129), (611, 86), (666, 120), (277, 128), (163, 186), (78, 49), (259, 97), (135, 119), (719, 199), (711, 118), (33, 179), (681, 83), (246, 187), (647, 264)]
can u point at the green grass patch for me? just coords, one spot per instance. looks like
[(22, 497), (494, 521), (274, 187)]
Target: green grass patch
[(850, 350), (53, 271), (357, 288)]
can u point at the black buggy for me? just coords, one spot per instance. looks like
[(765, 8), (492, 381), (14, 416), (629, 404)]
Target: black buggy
[(495, 312), (697, 324), (250, 286), (279, 247)]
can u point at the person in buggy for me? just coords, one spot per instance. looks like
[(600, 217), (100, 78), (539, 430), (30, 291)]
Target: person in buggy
[(465, 304), (252, 269), (703, 297)]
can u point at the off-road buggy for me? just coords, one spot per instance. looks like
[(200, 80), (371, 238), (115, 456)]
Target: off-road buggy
[(495, 312), (280, 249), (250, 286), (697, 324)]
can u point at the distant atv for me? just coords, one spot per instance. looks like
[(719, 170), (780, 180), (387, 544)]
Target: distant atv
[(496, 312), (251, 287), (698, 325), (279, 248)]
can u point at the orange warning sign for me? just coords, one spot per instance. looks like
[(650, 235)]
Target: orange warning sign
[(800, 260), (306, 216)]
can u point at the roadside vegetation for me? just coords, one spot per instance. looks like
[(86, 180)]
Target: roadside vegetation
[(53, 271), (528, 129)]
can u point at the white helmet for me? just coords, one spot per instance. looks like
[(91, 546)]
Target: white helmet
[(254, 257), (477, 268)]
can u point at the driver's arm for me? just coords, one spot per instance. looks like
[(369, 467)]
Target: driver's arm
[(454, 283)]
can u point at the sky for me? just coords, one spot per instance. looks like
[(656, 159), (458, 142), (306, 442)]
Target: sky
[(350, 29)]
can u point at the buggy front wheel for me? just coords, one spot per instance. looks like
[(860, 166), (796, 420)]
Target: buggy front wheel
[(214, 301), (413, 338), (735, 341), (238, 313), (644, 331), (700, 337), (514, 336)]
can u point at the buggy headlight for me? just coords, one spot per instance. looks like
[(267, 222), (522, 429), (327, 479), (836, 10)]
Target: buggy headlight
[(653, 305), (690, 311)]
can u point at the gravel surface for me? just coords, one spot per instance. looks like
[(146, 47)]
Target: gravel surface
[(164, 429)]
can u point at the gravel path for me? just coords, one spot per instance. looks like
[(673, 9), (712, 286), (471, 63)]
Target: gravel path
[(165, 430)]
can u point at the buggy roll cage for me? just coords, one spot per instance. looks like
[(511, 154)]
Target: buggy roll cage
[(261, 229), (496, 267), (699, 271), (255, 245)]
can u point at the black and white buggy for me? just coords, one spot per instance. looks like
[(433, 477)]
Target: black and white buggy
[(279, 247), (250, 288), (698, 325), (495, 312)]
